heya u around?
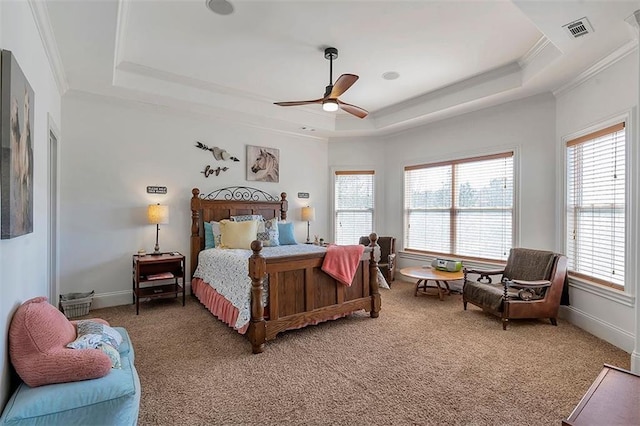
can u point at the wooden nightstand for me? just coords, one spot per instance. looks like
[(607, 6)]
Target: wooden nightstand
[(158, 276)]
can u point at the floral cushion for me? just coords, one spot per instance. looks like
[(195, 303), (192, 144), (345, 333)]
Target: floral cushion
[(94, 335), (211, 234), (268, 232), (247, 217)]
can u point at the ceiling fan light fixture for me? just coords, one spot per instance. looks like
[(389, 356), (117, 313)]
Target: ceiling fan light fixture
[(329, 100), (330, 105)]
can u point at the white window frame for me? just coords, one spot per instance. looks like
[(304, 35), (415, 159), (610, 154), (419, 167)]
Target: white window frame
[(460, 159), (632, 185), (354, 169)]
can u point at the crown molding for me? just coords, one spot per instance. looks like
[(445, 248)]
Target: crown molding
[(534, 52), (43, 23), (604, 63), (170, 77), (121, 36), (152, 76), (467, 85), (187, 110)]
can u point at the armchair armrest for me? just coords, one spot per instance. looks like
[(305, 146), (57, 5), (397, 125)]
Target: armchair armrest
[(528, 290), (484, 273), (528, 284), (392, 258)]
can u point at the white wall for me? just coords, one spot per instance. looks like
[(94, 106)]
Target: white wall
[(607, 314), (526, 126), (113, 150), (23, 260), (366, 153), (534, 127)]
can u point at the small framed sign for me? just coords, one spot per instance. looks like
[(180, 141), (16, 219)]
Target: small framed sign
[(303, 195), (156, 189)]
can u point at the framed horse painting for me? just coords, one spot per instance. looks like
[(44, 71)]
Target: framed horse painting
[(263, 164), (16, 157)]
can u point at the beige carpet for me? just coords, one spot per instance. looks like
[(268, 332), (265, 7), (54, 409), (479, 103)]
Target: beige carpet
[(423, 361)]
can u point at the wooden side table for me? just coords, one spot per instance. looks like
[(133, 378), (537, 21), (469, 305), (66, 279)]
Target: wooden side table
[(158, 276), (424, 275)]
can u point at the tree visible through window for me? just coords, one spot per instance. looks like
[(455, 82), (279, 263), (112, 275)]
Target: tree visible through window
[(595, 216), (462, 207), (353, 205)]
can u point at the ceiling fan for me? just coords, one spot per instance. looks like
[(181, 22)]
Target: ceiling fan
[(330, 101)]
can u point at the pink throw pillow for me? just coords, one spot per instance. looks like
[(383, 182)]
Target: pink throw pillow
[(37, 337)]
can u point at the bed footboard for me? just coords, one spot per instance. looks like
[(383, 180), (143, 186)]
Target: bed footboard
[(300, 293)]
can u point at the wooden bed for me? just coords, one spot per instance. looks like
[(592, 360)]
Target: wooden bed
[(300, 293)]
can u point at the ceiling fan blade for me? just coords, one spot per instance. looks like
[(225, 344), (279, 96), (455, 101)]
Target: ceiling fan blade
[(295, 103), (342, 84), (352, 109)]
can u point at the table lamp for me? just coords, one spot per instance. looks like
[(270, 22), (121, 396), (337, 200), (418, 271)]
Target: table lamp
[(157, 214), (308, 214)]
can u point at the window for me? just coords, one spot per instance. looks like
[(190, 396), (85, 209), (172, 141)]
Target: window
[(462, 207), (595, 233), (353, 205)]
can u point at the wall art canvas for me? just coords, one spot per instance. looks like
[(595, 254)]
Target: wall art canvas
[(16, 156), (263, 164)]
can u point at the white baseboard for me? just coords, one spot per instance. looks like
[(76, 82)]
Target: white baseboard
[(114, 298), (117, 298), (608, 332), (635, 362)]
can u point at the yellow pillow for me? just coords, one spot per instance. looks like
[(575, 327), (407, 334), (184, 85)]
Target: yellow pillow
[(238, 235)]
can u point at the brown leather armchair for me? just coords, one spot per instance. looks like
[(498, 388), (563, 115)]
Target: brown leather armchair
[(387, 263), (530, 286)]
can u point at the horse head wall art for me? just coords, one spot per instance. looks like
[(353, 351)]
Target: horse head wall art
[(263, 164), (16, 156)]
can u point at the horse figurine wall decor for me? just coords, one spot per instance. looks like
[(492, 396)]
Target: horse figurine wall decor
[(263, 164)]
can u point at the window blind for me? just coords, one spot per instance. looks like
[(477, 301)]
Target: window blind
[(595, 216), (462, 207), (354, 205)]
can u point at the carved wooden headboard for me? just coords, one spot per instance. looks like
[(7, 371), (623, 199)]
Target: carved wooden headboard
[(226, 202)]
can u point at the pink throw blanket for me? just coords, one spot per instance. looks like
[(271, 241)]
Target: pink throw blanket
[(341, 262)]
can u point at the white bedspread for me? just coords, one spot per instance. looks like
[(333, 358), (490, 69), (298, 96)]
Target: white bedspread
[(226, 270)]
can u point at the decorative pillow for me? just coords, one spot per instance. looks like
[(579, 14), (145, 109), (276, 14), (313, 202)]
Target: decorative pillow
[(108, 334), (209, 242), (268, 232), (238, 235), (37, 337), (285, 234), (94, 335), (211, 234), (112, 353), (87, 341), (247, 217)]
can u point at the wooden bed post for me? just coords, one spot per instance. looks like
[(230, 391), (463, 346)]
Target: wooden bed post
[(376, 303), (257, 271), (284, 206), (195, 229)]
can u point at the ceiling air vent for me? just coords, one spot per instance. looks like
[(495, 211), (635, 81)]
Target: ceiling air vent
[(578, 28)]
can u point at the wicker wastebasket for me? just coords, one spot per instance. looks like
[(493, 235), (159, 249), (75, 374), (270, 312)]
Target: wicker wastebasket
[(76, 304)]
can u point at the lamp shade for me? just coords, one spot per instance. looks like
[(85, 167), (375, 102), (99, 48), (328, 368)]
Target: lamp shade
[(158, 214), (308, 214)]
